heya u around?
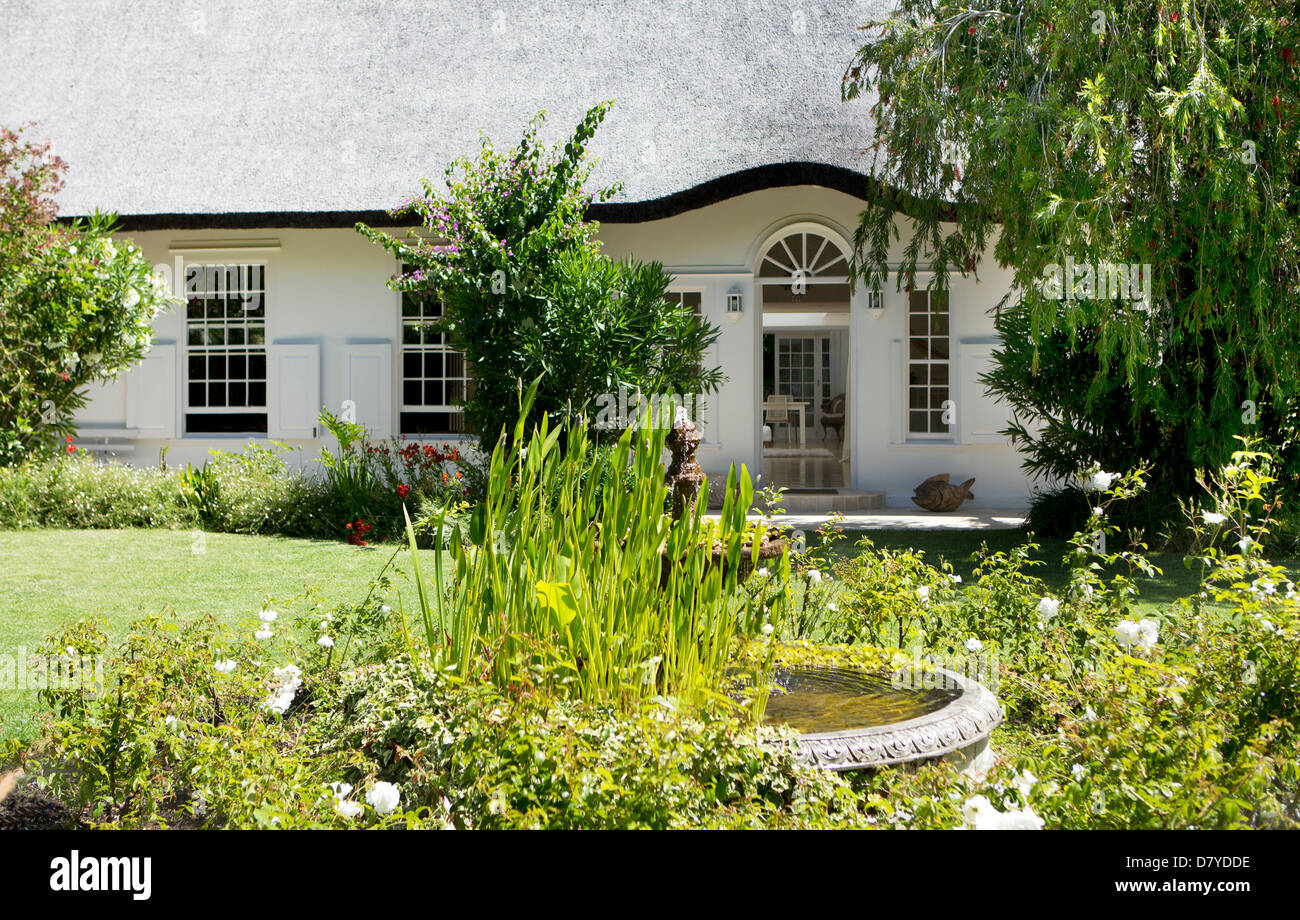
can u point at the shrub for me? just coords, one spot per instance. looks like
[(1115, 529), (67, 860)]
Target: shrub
[(77, 491), (1057, 514), (526, 292), (256, 493), (75, 307), (370, 484), (171, 738), (474, 756), (253, 491)]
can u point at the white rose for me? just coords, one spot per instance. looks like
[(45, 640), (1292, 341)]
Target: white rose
[(980, 814), (815, 576), (1213, 517), (1126, 631), (923, 594), (1021, 819), (325, 642), (1048, 607), (288, 680), (225, 667), (1100, 481), (1148, 633), (384, 798), (348, 809), (977, 809), (973, 644), (267, 615), (263, 634)]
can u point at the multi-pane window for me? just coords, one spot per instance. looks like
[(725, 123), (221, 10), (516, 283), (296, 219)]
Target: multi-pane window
[(928, 363), (225, 345), (692, 302), (435, 378), (796, 367)]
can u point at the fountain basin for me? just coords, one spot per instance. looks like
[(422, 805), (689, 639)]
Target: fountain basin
[(850, 719)]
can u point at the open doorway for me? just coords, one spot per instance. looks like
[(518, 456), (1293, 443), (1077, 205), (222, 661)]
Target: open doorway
[(804, 292)]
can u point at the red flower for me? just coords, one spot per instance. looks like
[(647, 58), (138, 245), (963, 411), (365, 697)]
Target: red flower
[(63, 375), (358, 528), (72, 448), (971, 30), (403, 490)]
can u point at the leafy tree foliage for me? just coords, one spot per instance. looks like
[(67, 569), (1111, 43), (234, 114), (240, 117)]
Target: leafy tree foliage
[(1156, 135), (75, 307), (527, 293)]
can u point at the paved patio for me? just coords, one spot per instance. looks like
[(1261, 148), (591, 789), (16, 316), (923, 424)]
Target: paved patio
[(911, 519)]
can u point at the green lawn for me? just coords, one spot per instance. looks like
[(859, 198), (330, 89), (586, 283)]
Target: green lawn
[(956, 546), (51, 578)]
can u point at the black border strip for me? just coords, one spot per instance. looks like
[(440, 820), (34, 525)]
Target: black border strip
[(775, 175)]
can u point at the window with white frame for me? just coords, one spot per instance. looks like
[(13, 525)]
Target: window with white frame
[(692, 302), (225, 349), (928, 364), (435, 376)]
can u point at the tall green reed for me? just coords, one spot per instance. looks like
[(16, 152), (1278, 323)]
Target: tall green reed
[(588, 577)]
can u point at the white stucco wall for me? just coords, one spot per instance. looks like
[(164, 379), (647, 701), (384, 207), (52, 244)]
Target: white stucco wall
[(721, 244), (327, 288)]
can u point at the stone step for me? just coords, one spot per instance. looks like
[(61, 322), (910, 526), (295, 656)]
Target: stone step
[(845, 500)]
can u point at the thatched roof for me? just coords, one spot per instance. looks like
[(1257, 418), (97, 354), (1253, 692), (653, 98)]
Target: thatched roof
[(301, 107)]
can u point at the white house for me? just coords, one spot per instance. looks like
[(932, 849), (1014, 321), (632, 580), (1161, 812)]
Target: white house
[(256, 135)]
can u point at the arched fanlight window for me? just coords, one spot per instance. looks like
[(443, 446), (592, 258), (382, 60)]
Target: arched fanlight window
[(805, 254)]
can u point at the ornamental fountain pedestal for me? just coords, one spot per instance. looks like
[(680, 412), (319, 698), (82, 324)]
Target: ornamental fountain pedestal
[(684, 477)]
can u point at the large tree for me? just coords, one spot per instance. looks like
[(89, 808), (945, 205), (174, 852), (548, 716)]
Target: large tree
[(1076, 135), (75, 307)]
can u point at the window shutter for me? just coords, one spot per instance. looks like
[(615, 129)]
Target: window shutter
[(978, 414), (368, 383), (293, 391), (897, 391), (151, 394)]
